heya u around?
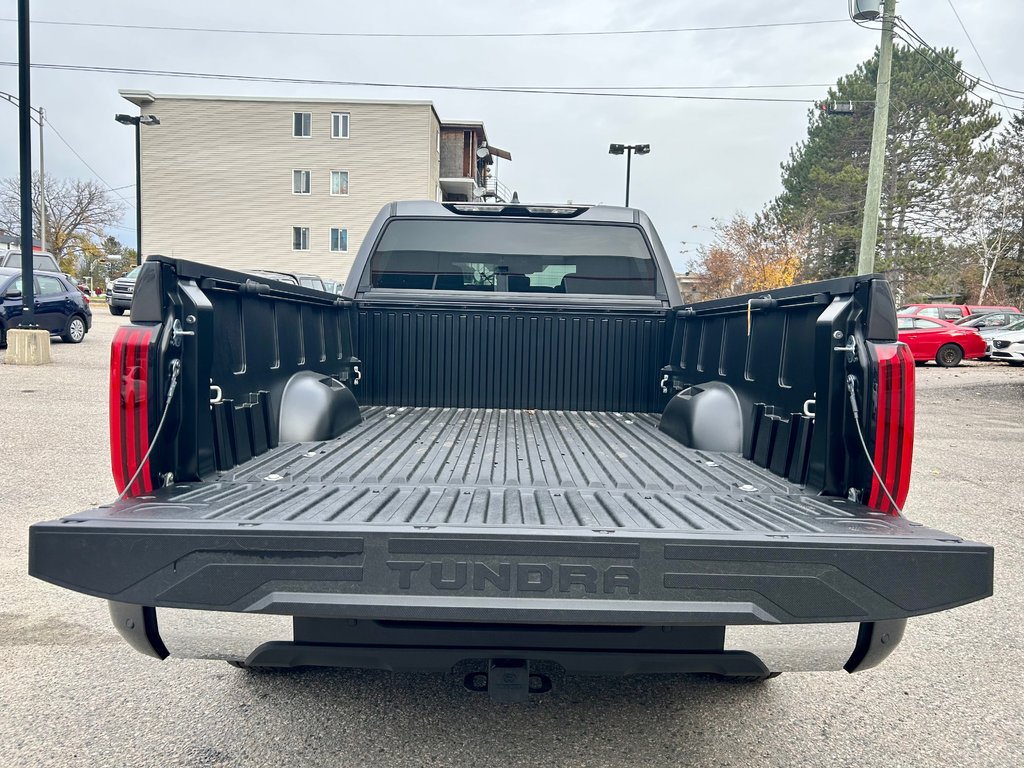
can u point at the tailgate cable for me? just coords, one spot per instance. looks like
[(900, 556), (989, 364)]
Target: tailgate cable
[(175, 371), (851, 385)]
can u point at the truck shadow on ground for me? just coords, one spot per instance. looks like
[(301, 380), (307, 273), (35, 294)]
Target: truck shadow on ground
[(429, 717)]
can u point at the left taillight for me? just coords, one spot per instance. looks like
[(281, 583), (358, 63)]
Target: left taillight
[(129, 407), (894, 425)]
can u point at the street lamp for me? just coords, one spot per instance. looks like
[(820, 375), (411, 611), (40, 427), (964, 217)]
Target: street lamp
[(628, 149), (138, 121)]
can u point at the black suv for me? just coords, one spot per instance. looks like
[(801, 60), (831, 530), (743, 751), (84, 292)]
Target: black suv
[(61, 308)]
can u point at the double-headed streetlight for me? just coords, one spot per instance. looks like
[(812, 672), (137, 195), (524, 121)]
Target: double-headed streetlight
[(628, 149), (138, 121)]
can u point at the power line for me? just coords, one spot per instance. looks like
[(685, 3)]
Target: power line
[(952, 71), (356, 83), (429, 35), (52, 127), (971, 41), (982, 82)]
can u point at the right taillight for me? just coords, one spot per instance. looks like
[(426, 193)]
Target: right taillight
[(894, 426), (129, 407)]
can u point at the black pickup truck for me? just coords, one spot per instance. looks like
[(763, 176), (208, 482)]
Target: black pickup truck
[(509, 441)]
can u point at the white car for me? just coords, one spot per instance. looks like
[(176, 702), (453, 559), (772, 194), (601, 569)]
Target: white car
[(1009, 346)]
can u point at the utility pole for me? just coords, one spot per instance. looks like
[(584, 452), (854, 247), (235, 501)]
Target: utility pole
[(879, 134)]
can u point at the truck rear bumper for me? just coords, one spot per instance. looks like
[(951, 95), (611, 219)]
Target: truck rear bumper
[(281, 641), (513, 575)]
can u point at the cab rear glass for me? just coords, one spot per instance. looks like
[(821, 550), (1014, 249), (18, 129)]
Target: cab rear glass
[(513, 257)]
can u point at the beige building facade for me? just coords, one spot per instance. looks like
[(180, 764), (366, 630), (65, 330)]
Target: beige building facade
[(280, 184)]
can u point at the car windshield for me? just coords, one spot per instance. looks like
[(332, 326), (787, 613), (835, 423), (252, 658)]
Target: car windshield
[(1018, 326), (513, 256), (135, 271)]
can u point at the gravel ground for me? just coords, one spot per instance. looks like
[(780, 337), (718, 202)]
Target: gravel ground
[(73, 694)]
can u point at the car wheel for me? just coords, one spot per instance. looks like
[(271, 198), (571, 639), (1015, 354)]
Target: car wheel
[(949, 355), (76, 330), (116, 310)]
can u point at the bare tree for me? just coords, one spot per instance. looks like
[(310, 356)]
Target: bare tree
[(76, 209), (981, 213)]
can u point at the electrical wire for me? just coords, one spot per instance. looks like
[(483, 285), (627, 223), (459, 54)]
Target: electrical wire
[(423, 86), (52, 127), (971, 41), (851, 386), (428, 35), (175, 371), (988, 85)]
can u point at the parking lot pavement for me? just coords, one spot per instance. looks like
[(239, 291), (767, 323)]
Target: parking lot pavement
[(73, 694)]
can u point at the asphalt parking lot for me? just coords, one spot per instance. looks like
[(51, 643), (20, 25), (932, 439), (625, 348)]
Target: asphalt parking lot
[(72, 693)]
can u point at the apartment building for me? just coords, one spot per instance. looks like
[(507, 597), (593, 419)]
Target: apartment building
[(289, 184)]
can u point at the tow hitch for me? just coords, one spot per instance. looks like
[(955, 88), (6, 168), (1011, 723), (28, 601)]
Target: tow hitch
[(508, 681)]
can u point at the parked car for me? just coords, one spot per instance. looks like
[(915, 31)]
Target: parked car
[(293, 278), (951, 311), (61, 308), (119, 297), (1009, 345), (945, 343), (41, 261), (521, 449), (990, 325), (990, 320)]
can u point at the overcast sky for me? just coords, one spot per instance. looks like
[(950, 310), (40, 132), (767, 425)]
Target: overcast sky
[(708, 159)]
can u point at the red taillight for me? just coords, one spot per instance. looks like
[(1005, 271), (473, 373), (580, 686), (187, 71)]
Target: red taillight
[(86, 297), (129, 407), (894, 429)]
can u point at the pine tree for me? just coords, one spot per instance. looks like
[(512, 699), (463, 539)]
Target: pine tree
[(935, 127)]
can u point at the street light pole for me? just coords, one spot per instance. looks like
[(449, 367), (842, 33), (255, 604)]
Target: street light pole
[(138, 192), (629, 163), (628, 150), (879, 134), (25, 164), (42, 187), (138, 121)]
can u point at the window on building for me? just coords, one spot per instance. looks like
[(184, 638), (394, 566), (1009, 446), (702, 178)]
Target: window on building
[(339, 239), (301, 182), (302, 124), (339, 182), (300, 238), (339, 125)]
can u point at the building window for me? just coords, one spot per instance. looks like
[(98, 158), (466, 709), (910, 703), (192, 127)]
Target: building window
[(301, 182), (302, 124), (339, 125), (339, 239), (339, 182), (300, 238)]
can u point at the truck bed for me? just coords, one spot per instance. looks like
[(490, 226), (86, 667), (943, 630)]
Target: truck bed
[(509, 515), (466, 466)]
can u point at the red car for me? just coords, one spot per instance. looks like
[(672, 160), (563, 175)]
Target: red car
[(945, 343)]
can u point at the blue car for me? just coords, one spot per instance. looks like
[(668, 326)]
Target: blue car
[(60, 308)]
